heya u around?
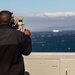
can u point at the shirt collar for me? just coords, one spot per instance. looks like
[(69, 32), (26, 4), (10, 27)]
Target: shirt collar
[(4, 26)]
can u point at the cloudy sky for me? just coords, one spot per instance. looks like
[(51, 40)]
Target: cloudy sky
[(43, 15)]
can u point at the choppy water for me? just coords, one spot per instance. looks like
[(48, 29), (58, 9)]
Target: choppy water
[(53, 42)]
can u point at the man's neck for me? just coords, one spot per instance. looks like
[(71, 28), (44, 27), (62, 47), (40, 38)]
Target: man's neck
[(3, 23)]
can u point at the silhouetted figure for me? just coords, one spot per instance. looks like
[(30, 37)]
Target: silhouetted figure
[(13, 43)]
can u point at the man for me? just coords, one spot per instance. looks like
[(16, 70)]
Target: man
[(13, 43)]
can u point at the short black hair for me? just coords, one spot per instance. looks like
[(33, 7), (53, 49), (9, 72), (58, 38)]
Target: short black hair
[(6, 11), (5, 16)]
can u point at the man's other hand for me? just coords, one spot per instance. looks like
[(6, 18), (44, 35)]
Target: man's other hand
[(27, 32)]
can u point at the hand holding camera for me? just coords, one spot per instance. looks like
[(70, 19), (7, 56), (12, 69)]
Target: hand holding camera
[(17, 23), (27, 32)]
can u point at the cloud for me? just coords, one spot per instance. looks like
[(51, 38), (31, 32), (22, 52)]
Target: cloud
[(51, 14), (50, 21), (57, 14)]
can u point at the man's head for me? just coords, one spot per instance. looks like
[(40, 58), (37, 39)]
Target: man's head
[(5, 17)]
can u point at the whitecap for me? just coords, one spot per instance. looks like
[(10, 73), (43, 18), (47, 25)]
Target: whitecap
[(69, 48), (43, 36), (42, 44), (62, 40)]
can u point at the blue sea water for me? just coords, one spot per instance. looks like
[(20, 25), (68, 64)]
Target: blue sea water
[(53, 41)]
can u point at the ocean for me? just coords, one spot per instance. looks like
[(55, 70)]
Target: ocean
[(47, 41)]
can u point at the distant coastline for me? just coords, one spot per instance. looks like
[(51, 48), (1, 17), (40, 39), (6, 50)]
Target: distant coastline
[(52, 31)]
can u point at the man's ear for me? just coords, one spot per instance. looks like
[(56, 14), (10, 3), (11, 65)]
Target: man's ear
[(11, 13)]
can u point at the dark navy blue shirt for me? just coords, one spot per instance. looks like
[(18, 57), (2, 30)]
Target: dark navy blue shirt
[(13, 43)]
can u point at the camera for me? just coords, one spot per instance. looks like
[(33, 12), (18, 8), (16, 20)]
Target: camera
[(17, 23)]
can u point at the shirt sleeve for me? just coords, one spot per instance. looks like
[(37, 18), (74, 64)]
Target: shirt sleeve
[(26, 45)]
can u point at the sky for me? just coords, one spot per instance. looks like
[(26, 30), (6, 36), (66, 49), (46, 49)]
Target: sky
[(43, 15)]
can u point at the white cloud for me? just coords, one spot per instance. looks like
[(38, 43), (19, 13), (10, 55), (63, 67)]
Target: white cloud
[(61, 14), (51, 14), (50, 21)]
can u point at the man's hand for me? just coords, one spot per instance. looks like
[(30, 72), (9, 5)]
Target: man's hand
[(27, 32)]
